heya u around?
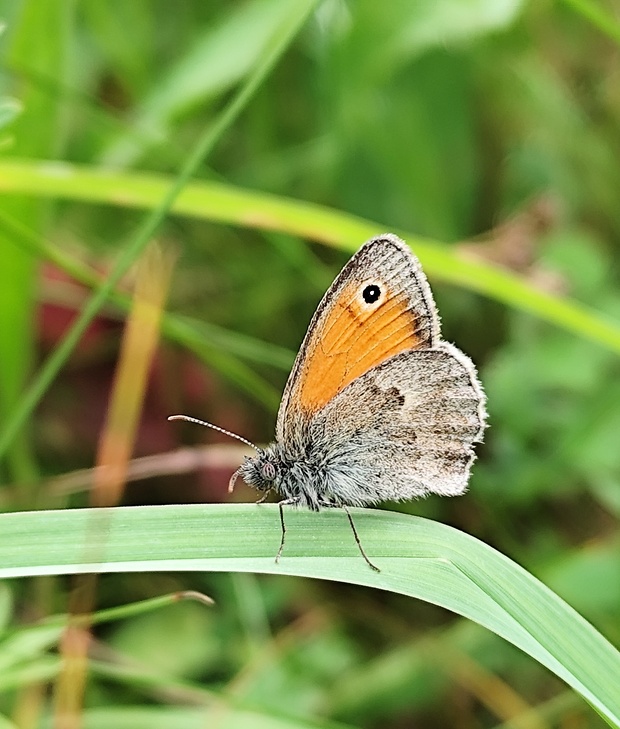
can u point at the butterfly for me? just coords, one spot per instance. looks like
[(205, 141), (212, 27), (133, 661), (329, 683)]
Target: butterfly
[(377, 406)]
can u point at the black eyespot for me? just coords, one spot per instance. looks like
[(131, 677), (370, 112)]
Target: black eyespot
[(371, 293)]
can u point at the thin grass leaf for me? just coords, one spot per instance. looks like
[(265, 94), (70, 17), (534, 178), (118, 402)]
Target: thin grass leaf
[(29, 642), (37, 44), (599, 18), (219, 348), (200, 337), (225, 53), (145, 717), (235, 206), (205, 145)]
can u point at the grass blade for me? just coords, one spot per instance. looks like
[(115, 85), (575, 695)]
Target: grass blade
[(206, 143), (596, 15), (246, 208), (417, 557)]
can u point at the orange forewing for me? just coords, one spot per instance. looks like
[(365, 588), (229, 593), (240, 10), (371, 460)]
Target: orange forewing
[(353, 340)]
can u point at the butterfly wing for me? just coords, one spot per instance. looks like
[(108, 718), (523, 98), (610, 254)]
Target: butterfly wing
[(405, 428), (380, 305)]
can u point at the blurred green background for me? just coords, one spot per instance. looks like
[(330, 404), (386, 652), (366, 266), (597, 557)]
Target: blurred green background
[(490, 126)]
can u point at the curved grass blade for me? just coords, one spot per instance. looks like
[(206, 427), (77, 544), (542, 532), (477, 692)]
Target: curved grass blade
[(235, 206), (417, 557)]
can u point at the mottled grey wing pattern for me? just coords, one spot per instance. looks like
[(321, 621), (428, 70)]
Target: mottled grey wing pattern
[(404, 429)]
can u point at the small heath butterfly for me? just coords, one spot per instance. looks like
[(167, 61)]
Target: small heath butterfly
[(377, 406)]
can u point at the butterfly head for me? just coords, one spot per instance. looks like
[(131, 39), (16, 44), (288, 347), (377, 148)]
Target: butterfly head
[(262, 472)]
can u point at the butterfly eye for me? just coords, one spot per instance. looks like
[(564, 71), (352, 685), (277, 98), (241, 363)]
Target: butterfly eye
[(268, 471), (371, 293)]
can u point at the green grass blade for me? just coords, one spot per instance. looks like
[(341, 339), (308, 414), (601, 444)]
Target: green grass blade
[(417, 557), (172, 717), (198, 336), (31, 641), (37, 45), (298, 14), (599, 18), (225, 52), (235, 206), (219, 348)]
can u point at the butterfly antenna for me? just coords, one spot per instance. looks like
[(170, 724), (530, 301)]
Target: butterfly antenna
[(213, 427)]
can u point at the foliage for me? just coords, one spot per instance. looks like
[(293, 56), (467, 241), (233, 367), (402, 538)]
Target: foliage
[(492, 122)]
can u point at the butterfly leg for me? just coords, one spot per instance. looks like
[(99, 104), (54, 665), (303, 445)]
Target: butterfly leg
[(263, 497), (329, 505), (280, 505)]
